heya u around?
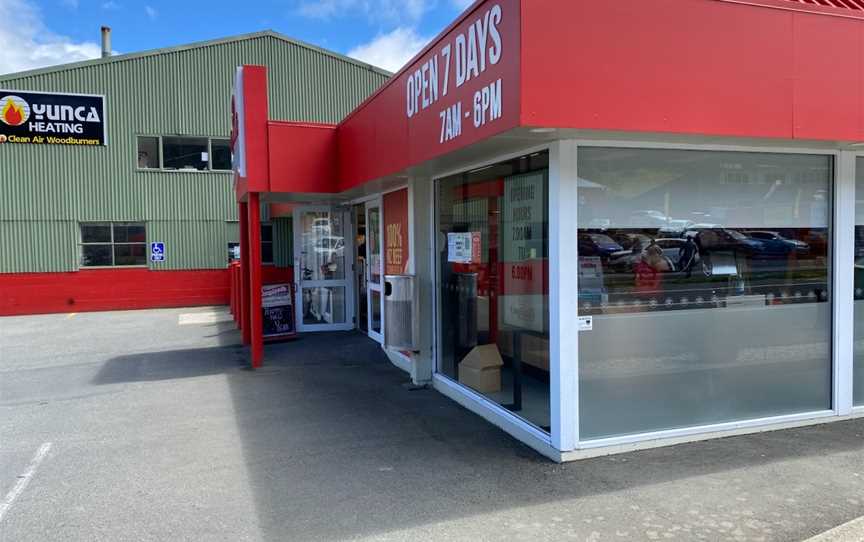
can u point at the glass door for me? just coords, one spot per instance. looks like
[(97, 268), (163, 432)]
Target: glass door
[(324, 293), (374, 270)]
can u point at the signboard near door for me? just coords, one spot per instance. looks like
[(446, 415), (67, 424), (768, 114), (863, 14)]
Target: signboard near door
[(396, 246), (277, 305)]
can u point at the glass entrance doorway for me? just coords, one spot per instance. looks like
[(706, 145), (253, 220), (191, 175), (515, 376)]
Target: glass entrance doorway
[(324, 293), (374, 270)]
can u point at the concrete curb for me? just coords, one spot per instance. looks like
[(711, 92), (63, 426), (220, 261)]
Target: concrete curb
[(852, 531)]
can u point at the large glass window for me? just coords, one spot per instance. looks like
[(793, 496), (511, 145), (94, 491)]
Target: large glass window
[(493, 261), (105, 244), (858, 381), (707, 278), (184, 153)]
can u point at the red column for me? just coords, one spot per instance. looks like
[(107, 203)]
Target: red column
[(257, 333), (244, 272)]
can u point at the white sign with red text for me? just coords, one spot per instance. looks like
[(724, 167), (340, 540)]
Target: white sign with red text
[(461, 60)]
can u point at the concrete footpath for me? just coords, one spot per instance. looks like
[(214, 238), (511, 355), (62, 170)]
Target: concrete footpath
[(146, 425)]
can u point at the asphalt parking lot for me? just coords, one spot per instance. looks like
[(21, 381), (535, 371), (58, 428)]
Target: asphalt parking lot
[(146, 425)]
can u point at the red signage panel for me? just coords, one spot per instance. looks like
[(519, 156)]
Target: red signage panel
[(462, 89), (396, 245)]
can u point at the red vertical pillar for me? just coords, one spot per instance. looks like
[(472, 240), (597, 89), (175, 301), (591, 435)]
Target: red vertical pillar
[(244, 272), (255, 328)]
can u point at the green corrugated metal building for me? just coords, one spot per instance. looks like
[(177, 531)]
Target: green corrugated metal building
[(156, 101)]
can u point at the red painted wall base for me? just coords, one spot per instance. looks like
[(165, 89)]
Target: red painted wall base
[(110, 289)]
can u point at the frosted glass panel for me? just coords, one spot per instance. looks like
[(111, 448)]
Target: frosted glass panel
[(706, 274)]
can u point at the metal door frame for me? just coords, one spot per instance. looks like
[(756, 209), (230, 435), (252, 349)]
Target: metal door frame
[(376, 202)]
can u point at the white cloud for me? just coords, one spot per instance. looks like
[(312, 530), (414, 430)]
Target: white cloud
[(151, 12), (111, 5), (391, 11), (29, 44), (392, 50), (461, 5)]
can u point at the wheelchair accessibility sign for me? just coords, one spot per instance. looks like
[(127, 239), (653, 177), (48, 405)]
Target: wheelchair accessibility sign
[(157, 252)]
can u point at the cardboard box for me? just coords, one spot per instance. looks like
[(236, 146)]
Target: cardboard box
[(481, 369)]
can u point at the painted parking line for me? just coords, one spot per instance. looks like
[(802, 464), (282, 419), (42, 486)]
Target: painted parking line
[(23, 480)]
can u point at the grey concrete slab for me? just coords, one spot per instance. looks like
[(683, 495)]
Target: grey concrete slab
[(159, 432)]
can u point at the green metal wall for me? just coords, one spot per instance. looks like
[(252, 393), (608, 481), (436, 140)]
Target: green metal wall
[(283, 242), (46, 190)]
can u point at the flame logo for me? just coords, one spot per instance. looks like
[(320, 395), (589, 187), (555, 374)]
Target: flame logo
[(14, 111)]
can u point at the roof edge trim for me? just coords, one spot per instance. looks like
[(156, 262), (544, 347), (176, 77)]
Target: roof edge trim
[(190, 46)]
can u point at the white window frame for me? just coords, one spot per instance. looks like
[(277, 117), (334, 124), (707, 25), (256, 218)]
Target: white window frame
[(846, 336), (563, 442), (512, 423), (841, 231)]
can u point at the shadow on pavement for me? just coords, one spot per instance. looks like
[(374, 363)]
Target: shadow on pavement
[(335, 447)]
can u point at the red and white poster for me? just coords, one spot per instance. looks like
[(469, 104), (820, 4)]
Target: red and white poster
[(396, 244)]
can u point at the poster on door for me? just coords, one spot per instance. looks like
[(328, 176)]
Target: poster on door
[(524, 263), (396, 243)]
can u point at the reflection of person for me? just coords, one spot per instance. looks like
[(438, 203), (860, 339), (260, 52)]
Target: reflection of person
[(687, 256), (649, 268)]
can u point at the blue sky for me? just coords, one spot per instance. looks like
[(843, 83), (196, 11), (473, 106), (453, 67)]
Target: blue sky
[(383, 32)]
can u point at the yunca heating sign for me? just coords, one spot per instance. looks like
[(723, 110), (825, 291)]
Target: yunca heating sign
[(37, 118)]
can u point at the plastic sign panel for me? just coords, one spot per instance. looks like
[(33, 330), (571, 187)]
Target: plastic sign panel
[(238, 125), (40, 118), (397, 249), (157, 251)]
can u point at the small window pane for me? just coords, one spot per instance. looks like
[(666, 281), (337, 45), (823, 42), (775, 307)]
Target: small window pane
[(96, 233), (221, 149), (130, 255), (233, 252), (95, 255), (148, 152), (266, 252), (185, 153), (129, 233), (266, 233)]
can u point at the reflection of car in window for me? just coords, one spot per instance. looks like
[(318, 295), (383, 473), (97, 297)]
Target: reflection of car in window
[(777, 244), (724, 239), (597, 244)]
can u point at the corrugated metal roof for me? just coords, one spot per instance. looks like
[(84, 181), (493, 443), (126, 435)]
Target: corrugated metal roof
[(195, 45)]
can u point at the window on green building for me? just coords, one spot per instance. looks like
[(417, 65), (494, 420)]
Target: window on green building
[(110, 244), (184, 153), (220, 152)]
